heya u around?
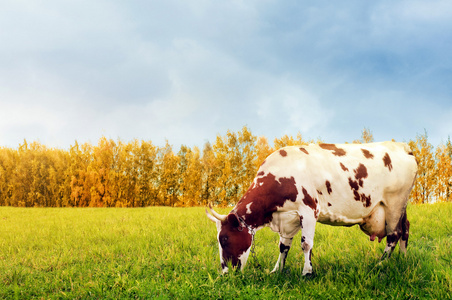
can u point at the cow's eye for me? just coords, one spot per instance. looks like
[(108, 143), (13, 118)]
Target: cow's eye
[(223, 240)]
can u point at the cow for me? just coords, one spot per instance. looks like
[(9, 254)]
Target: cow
[(334, 184)]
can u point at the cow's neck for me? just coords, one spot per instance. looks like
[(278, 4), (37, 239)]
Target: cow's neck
[(262, 199), (254, 217)]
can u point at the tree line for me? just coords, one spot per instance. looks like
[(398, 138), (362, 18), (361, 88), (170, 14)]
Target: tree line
[(139, 173)]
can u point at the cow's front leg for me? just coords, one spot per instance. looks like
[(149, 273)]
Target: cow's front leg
[(284, 247), (307, 242)]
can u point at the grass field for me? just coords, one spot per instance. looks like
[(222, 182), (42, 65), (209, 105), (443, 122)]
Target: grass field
[(169, 253)]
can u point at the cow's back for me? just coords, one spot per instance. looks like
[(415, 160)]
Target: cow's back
[(346, 181)]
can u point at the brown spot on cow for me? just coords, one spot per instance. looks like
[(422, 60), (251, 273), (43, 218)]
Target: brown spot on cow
[(319, 192), (344, 168), (360, 174), (365, 200), (332, 147), (353, 184), (304, 150), (271, 193), (261, 173), (283, 152), (367, 154), (356, 194), (329, 204), (328, 187), (387, 161), (283, 248), (309, 201)]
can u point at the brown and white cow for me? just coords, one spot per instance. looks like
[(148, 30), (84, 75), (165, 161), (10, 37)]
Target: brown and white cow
[(344, 185)]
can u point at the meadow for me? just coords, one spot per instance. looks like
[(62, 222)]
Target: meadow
[(168, 253)]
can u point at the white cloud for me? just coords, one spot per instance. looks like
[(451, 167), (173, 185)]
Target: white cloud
[(436, 11), (189, 71), (291, 107)]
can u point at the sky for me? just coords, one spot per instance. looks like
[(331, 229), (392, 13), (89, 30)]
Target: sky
[(187, 71)]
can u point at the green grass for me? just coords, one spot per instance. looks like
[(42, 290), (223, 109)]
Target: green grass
[(169, 253)]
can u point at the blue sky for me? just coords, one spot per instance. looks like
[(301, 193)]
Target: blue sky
[(187, 71)]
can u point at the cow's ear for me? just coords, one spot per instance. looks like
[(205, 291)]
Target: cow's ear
[(233, 220)]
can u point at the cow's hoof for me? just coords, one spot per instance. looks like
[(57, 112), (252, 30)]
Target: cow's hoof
[(309, 275)]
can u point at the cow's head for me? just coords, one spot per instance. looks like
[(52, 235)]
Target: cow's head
[(234, 239)]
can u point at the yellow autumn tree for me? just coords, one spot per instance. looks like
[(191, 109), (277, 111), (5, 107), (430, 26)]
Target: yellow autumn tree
[(224, 190), (247, 153), (123, 178), (286, 140), (190, 176), (443, 190), (80, 157), (6, 166), (145, 168), (263, 150), (32, 175), (101, 173), (168, 183), (59, 184), (366, 137), (235, 160), (423, 189), (210, 173)]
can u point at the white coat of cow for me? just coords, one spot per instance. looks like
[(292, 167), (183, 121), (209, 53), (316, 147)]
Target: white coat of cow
[(335, 184)]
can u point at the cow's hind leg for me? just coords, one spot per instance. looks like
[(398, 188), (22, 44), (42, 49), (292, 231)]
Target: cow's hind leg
[(284, 247), (400, 230), (405, 233), (307, 241)]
